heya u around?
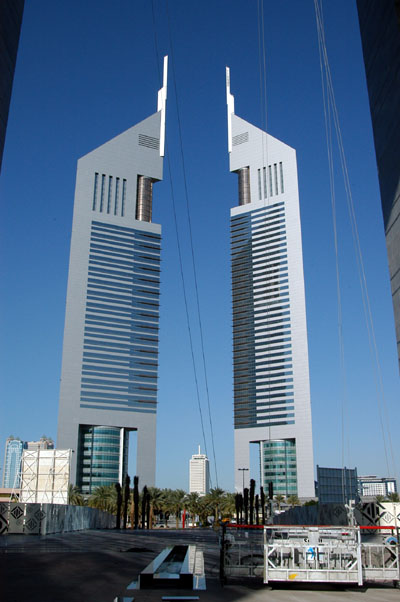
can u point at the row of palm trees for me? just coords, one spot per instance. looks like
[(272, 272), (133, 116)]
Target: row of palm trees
[(391, 497), (172, 502), (163, 503)]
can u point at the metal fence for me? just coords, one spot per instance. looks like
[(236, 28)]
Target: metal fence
[(42, 519)]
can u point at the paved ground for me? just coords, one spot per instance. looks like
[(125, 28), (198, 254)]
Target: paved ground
[(99, 565)]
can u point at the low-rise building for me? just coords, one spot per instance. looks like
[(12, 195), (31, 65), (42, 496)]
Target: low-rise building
[(337, 485), (371, 486), (43, 443)]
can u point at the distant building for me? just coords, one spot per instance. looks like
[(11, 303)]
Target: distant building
[(45, 476), (12, 463), (337, 485), (371, 486), (199, 474), (43, 443), (11, 12), (380, 35)]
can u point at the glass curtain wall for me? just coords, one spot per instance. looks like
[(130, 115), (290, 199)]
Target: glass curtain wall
[(99, 456), (279, 466)]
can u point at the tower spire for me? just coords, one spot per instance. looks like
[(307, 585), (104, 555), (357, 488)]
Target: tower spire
[(230, 101), (161, 103)]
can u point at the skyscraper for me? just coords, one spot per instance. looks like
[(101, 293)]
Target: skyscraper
[(270, 351), (380, 35), (12, 462), (199, 474), (110, 350)]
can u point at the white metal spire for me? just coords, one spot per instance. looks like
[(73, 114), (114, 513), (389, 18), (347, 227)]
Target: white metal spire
[(161, 103), (230, 101)]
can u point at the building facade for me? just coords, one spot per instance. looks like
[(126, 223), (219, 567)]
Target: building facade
[(371, 486), (199, 474), (11, 12), (12, 463), (110, 350), (337, 485), (270, 350), (380, 35), (43, 443)]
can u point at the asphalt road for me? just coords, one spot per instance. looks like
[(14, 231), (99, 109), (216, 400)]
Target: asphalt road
[(98, 566)]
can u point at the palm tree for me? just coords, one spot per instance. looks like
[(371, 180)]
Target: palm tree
[(393, 497), (205, 509), (215, 498), (75, 498), (279, 499), (228, 505), (165, 506), (293, 500), (193, 505), (104, 498), (156, 503), (175, 503)]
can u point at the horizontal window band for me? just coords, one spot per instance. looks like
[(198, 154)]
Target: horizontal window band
[(112, 227), (120, 399), (263, 424), (116, 409)]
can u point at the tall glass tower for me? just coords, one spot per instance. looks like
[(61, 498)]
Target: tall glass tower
[(110, 351), (270, 351), (12, 463)]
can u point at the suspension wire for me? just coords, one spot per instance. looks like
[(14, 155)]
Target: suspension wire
[(329, 145), (331, 105), (191, 242), (382, 407), (263, 97), (263, 100), (184, 288), (265, 181), (193, 265), (364, 290)]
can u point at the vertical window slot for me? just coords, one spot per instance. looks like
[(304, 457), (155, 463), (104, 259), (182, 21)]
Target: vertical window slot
[(276, 178), (265, 182), (116, 196), (123, 197), (281, 174), (96, 177), (103, 178), (270, 180), (110, 182), (259, 184)]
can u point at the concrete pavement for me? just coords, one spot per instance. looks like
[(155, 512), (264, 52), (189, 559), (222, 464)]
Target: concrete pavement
[(99, 565)]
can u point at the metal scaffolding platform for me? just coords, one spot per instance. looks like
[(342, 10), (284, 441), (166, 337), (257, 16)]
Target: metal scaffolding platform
[(325, 554)]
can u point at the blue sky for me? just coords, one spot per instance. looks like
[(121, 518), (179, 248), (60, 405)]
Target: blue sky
[(87, 71)]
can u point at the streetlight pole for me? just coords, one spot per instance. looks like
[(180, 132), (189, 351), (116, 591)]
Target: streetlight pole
[(243, 471)]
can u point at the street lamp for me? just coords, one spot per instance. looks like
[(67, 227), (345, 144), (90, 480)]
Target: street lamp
[(243, 471)]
